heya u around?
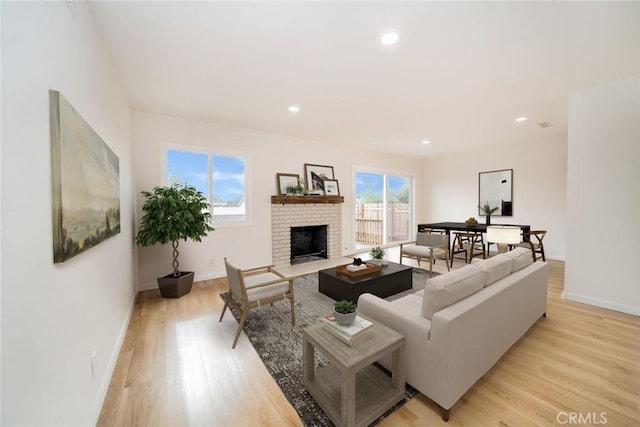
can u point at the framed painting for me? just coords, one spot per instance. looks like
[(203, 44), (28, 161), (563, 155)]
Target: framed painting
[(315, 176), (287, 180), (85, 183), (495, 190), (331, 187)]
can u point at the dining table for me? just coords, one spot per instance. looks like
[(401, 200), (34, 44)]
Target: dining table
[(448, 227)]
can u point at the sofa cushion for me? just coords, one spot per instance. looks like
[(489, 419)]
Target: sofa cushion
[(521, 258), (449, 288), (496, 268)]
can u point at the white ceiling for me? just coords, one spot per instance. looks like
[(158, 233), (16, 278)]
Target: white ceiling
[(460, 75)]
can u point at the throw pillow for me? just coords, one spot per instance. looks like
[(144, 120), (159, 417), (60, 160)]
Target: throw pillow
[(496, 268), (449, 288), (521, 258)]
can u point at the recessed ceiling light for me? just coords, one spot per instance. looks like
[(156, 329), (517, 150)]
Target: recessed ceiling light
[(521, 119), (389, 37), (426, 142), (294, 108)]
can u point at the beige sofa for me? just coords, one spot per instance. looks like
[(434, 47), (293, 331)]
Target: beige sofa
[(458, 327)]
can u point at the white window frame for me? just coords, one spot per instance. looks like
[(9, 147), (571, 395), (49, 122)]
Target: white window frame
[(210, 151)]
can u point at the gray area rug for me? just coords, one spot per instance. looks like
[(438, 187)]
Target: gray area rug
[(280, 345)]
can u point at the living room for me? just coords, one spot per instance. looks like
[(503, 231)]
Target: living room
[(63, 324)]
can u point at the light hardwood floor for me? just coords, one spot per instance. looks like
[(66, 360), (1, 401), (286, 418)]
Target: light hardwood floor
[(177, 368)]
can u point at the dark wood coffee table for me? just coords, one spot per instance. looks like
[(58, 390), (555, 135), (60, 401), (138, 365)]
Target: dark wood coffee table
[(390, 280)]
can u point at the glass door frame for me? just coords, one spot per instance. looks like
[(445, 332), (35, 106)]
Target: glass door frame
[(385, 191)]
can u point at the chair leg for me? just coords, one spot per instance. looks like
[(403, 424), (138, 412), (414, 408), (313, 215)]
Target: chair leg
[(293, 315), (431, 262), (243, 318), (224, 309)]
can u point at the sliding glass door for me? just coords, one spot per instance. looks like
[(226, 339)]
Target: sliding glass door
[(383, 208)]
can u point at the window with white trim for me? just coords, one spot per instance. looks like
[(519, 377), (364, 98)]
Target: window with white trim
[(221, 176)]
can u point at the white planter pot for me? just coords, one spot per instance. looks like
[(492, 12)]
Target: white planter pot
[(344, 319)]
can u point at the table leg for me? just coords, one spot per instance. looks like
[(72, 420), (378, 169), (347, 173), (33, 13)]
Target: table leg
[(348, 399), (308, 360), (398, 373)]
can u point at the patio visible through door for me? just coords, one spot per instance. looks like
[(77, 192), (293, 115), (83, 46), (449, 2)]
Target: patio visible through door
[(383, 208)]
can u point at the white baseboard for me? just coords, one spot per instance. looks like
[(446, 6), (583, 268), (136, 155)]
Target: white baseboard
[(197, 278), (111, 365), (209, 276), (555, 257), (602, 303)]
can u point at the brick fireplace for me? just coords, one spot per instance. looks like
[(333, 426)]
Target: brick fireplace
[(285, 215)]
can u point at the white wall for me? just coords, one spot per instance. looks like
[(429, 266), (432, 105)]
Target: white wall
[(603, 202), (55, 316), (539, 187), (0, 224), (270, 154)]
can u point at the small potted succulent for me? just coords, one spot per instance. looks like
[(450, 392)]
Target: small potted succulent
[(377, 256), (344, 312)]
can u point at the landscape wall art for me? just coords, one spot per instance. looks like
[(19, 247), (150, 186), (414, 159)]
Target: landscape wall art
[(85, 183)]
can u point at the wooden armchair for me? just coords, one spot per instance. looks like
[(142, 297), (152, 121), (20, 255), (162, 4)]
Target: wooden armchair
[(427, 247), (254, 287)]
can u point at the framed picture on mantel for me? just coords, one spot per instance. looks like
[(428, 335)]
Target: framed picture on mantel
[(331, 187), (315, 176), (287, 181)]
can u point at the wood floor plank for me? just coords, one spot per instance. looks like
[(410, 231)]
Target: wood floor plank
[(176, 368)]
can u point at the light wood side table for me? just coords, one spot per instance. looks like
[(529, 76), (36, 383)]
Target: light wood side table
[(351, 391)]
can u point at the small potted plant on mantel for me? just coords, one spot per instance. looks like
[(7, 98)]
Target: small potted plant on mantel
[(377, 256), (487, 211), (344, 312), (168, 215)]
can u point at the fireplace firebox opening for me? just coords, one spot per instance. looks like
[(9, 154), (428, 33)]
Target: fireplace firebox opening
[(308, 243)]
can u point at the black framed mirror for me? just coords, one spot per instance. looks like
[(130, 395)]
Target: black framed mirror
[(495, 188)]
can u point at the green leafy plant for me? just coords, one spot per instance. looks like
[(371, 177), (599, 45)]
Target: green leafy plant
[(345, 306), (487, 210), (173, 213), (377, 253)]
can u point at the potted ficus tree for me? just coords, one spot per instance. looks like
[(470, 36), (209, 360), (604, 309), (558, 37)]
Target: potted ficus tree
[(170, 214), (487, 211)]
